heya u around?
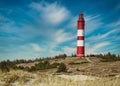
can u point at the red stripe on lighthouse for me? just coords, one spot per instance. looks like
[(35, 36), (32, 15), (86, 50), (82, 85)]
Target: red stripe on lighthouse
[(80, 51), (80, 26), (80, 38)]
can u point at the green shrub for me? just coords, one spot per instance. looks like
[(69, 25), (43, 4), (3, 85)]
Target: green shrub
[(62, 68), (62, 56), (4, 67), (42, 66), (110, 57), (54, 65), (77, 63)]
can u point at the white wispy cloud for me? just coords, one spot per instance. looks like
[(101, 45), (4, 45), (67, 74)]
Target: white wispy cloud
[(101, 36), (117, 7), (96, 43), (92, 49), (72, 24), (48, 28), (51, 13), (63, 50), (62, 36), (1, 17), (59, 37), (69, 50), (52, 37), (92, 23), (115, 24), (36, 47)]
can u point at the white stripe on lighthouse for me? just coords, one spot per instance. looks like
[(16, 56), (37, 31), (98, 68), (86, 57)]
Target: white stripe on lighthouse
[(80, 43), (80, 33)]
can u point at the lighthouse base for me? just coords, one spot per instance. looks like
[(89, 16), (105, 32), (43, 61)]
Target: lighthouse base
[(80, 55), (80, 51)]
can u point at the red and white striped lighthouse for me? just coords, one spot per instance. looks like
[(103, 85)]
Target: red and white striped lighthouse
[(80, 36)]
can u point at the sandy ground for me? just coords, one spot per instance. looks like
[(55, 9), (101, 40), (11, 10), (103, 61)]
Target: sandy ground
[(89, 69), (36, 80), (78, 77)]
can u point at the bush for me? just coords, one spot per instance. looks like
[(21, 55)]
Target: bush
[(32, 69), (62, 56), (110, 57), (54, 65), (77, 63), (73, 55), (62, 68), (42, 66), (4, 67)]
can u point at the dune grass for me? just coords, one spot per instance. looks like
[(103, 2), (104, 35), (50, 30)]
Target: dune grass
[(22, 78), (55, 81)]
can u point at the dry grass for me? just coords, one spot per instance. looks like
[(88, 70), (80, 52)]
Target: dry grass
[(55, 81), (13, 76), (109, 73), (21, 78)]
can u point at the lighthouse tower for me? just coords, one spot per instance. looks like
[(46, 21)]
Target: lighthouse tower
[(80, 36)]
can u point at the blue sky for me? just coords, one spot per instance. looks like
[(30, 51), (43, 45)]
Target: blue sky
[(43, 28)]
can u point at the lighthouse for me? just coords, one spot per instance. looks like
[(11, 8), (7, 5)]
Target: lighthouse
[(80, 36)]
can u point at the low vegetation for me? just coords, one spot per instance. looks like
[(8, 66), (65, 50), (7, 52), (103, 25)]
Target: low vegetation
[(42, 66), (62, 68), (6, 66), (110, 57), (12, 74), (43, 63), (106, 57), (78, 63), (22, 78)]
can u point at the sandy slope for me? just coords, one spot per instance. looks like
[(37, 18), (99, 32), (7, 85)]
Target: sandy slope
[(21, 78), (78, 77), (81, 72)]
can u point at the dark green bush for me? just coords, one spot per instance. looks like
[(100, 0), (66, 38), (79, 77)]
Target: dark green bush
[(62, 56), (4, 67), (42, 66), (54, 65), (62, 68), (109, 57)]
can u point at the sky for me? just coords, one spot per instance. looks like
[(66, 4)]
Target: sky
[(31, 29)]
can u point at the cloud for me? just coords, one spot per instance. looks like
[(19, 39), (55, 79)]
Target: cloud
[(3, 20), (62, 36), (36, 47), (52, 46), (52, 52), (59, 37), (1, 17), (96, 40), (102, 36), (92, 23), (72, 24), (69, 50), (92, 49), (114, 25), (100, 45), (31, 35), (117, 7), (108, 34), (47, 29), (51, 13)]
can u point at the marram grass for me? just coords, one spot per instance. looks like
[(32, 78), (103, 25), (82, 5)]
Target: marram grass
[(21, 78)]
